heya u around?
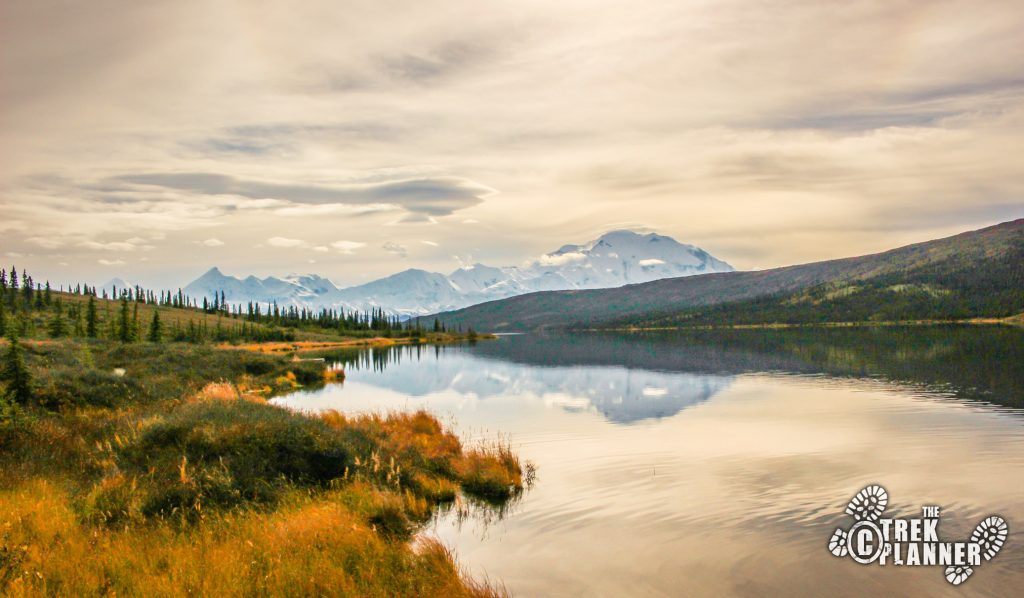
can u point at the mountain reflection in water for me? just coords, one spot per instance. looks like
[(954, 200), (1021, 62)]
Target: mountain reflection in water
[(717, 463), (634, 376)]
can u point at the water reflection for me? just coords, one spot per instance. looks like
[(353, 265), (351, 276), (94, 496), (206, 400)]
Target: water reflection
[(621, 394), (718, 463), (629, 377)]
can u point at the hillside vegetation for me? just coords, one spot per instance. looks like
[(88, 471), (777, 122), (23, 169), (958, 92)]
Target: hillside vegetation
[(31, 309), (160, 469), (139, 456), (971, 275)]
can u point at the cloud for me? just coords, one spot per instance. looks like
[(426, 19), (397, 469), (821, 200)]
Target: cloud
[(396, 249), (333, 209), (213, 242), (112, 246), (128, 245), (651, 262), (415, 219), (430, 243), (285, 242), (343, 247), (561, 259), (428, 197), (347, 247), (110, 262), (738, 126), (46, 242)]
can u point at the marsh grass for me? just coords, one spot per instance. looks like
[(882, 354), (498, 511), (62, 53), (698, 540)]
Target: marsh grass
[(491, 472), (309, 546), (178, 477)]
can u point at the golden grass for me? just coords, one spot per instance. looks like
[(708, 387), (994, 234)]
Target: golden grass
[(334, 376), (349, 539), (308, 547), (299, 346), (247, 389), (372, 342), (218, 391), (206, 489), (492, 472), (1017, 320)]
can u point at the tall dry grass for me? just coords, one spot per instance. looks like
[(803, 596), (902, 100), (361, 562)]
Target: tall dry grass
[(154, 488), (307, 547)]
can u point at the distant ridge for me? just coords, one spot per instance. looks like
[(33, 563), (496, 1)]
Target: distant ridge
[(973, 274), (613, 259)]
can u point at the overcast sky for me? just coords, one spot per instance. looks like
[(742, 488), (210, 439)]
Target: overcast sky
[(154, 139)]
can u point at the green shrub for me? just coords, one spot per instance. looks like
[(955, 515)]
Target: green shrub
[(226, 452), (62, 387)]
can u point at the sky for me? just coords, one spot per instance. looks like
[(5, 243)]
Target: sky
[(153, 139)]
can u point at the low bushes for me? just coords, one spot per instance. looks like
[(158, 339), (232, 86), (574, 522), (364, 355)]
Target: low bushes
[(223, 453), (99, 374), (176, 476), (226, 452), (63, 387)]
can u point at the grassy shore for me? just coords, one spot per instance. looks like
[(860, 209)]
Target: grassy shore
[(160, 470), (1017, 320), (432, 338)]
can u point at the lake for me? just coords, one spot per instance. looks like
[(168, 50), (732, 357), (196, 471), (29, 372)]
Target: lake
[(718, 463)]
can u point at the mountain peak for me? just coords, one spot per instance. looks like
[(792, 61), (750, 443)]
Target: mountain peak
[(616, 258), (626, 233), (621, 236), (117, 282)]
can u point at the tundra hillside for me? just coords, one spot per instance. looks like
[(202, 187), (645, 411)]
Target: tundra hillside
[(977, 274), (134, 467)]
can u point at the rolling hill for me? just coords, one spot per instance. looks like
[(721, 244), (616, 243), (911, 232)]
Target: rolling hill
[(973, 274)]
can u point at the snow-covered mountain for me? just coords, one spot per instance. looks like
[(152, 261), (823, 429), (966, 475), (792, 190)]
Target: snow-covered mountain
[(115, 285), (616, 258)]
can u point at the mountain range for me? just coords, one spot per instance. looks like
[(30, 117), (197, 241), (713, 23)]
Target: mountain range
[(973, 274), (614, 259)]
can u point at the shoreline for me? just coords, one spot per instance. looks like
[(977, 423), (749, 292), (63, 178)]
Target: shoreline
[(284, 347), (1017, 321)]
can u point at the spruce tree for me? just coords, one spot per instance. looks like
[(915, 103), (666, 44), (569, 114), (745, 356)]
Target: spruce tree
[(16, 374), (90, 318), (155, 328), (58, 326), (3, 319), (78, 328), (124, 323), (26, 289)]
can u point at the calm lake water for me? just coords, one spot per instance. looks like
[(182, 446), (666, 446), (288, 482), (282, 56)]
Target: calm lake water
[(719, 464)]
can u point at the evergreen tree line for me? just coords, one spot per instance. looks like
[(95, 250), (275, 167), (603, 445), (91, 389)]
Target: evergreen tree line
[(21, 296)]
